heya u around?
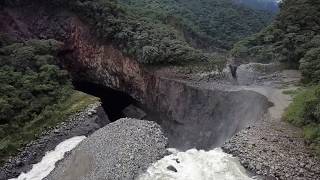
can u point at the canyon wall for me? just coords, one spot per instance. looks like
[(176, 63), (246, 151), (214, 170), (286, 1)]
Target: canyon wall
[(191, 116), (201, 117)]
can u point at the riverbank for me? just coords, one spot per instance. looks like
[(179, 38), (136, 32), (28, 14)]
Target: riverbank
[(271, 147), (82, 123)]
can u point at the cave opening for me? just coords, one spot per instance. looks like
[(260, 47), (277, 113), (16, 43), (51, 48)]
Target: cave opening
[(113, 101)]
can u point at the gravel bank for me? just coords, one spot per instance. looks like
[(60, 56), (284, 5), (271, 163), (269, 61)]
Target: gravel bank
[(82, 123), (275, 151), (273, 148), (120, 150)]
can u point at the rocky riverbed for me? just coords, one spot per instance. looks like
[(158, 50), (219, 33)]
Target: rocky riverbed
[(83, 123)]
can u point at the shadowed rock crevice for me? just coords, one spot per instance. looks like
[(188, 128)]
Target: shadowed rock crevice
[(191, 116), (113, 102)]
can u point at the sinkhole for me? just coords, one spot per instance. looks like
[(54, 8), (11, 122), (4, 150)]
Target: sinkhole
[(191, 117), (113, 101)]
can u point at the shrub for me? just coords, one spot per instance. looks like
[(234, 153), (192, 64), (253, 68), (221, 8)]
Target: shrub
[(310, 66), (304, 112)]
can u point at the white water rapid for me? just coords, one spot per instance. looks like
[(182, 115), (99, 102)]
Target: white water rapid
[(189, 165), (196, 165), (47, 164)]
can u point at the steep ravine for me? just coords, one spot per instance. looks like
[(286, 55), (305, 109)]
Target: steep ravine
[(191, 115), (183, 108)]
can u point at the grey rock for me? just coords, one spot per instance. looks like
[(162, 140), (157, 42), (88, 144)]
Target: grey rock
[(121, 150), (134, 112), (172, 168)]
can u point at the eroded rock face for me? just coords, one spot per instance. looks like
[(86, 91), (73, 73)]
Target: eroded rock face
[(103, 63), (204, 117), (121, 150), (85, 56)]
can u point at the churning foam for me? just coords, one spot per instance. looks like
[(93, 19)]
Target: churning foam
[(47, 164), (196, 165)]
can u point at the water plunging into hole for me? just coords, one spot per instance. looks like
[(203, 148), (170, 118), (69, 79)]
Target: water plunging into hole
[(113, 102), (196, 165)]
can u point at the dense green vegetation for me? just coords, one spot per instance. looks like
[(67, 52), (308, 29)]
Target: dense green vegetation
[(305, 112), (293, 35), (148, 42), (215, 24), (35, 93), (310, 66), (162, 32)]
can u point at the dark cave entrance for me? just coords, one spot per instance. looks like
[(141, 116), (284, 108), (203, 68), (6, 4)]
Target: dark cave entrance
[(113, 101)]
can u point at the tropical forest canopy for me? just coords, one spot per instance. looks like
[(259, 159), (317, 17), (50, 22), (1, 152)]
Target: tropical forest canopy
[(203, 23)]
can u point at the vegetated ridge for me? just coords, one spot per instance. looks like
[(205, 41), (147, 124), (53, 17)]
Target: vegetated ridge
[(206, 24)]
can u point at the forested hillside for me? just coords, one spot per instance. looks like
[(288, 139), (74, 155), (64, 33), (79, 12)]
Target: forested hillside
[(35, 93), (214, 24), (158, 32), (293, 39)]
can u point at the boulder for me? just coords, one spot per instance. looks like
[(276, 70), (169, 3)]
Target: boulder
[(121, 150), (134, 112)]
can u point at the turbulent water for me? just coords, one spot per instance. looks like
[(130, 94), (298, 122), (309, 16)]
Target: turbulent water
[(196, 165), (47, 164), (190, 165)]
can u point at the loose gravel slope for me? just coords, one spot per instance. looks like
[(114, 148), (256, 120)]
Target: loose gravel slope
[(120, 150)]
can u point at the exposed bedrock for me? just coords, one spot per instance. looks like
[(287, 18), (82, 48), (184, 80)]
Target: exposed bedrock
[(121, 150), (191, 116)]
